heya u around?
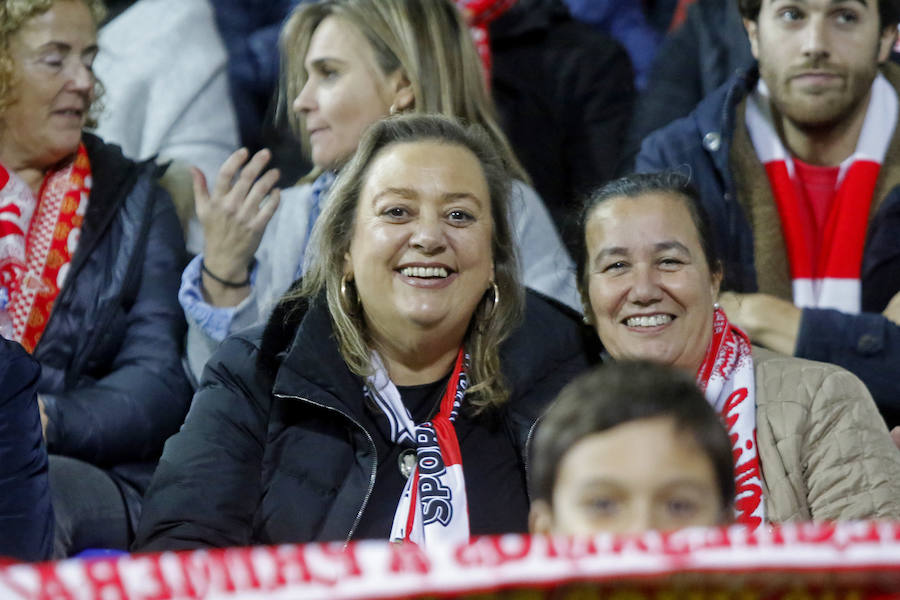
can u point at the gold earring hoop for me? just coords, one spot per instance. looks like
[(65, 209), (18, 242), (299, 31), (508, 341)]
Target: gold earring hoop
[(393, 109), (349, 307), (496, 301)]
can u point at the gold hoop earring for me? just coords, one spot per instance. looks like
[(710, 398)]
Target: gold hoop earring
[(349, 307), (496, 302), (393, 109)]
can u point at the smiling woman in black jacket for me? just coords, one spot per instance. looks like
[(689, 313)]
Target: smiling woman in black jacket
[(391, 397)]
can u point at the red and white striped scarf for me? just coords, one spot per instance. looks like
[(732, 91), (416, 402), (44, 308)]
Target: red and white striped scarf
[(433, 507), (38, 237), (727, 380), (833, 279), (479, 14)]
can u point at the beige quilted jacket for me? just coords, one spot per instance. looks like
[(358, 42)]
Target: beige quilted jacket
[(825, 451)]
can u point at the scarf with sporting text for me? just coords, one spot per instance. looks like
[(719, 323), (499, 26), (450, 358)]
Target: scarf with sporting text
[(833, 279), (479, 14), (38, 236), (432, 508), (726, 378)]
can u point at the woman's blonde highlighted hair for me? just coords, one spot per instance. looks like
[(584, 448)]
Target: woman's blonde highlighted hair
[(333, 233), (13, 15), (426, 39)]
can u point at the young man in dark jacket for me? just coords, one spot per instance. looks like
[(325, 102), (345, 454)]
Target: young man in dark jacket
[(798, 164)]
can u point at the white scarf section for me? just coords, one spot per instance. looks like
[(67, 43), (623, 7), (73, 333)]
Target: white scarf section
[(433, 509), (727, 380)]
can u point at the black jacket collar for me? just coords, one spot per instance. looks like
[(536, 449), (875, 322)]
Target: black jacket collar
[(300, 353)]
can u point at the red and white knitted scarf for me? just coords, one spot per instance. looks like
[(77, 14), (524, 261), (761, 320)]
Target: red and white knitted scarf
[(479, 14), (38, 236), (833, 280), (727, 380), (433, 507)]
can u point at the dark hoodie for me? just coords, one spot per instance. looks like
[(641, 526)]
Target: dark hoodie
[(565, 94)]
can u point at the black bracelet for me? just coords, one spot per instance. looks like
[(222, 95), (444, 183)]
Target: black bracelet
[(231, 284)]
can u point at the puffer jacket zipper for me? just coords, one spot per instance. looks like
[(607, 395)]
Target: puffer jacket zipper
[(371, 445)]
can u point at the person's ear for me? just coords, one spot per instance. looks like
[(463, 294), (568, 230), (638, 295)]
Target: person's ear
[(752, 28), (540, 517), (886, 42), (404, 95), (716, 281)]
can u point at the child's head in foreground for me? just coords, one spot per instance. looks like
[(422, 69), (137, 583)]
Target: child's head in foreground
[(628, 447)]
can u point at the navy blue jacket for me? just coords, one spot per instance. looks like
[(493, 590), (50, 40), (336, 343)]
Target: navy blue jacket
[(625, 21), (112, 381), (26, 517), (867, 344), (693, 60), (250, 31)]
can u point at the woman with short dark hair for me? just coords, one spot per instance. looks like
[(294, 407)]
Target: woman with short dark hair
[(808, 441)]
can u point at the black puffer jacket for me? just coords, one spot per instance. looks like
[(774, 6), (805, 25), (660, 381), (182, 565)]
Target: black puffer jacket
[(111, 379), (272, 450)]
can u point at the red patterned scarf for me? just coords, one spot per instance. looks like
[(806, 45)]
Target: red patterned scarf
[(831, 279), (726, 378), (38, 237), (433, 506), (479, 14)]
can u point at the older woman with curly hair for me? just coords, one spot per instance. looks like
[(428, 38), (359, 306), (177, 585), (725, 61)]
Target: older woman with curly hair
[(90, 254), (393, 394)]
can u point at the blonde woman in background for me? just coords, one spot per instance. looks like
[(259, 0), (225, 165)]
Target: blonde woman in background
[(348, 63)]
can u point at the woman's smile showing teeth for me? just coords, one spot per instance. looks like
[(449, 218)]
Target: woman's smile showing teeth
[(648, 320), (424, 272)]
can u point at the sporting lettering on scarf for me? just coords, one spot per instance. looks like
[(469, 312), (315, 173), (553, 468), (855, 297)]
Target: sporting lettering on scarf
[(437, 499), (433, 504)]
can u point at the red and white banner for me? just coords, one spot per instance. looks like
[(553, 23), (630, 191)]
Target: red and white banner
[(803, 561)]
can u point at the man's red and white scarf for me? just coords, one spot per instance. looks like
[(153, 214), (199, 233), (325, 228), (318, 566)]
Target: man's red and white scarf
[(727, 380), (433, 507), (479, 14), (38, 236), (833, 279)]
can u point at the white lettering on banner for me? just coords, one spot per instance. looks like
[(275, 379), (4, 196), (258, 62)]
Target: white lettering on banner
[(863, 557)]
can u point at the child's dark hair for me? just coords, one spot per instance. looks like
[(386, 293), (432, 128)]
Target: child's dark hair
[(619, 393)]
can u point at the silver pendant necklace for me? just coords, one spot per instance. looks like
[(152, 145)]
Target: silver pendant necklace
[(407, 462)]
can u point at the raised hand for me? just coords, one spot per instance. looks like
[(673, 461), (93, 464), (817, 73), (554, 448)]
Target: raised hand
[(234, 217)]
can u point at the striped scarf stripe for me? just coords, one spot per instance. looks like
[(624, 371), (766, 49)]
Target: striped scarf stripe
[(833, 281)]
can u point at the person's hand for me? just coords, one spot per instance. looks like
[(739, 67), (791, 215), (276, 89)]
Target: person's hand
[(892, 311), (44, 419), (769, 321), (234, 217)]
